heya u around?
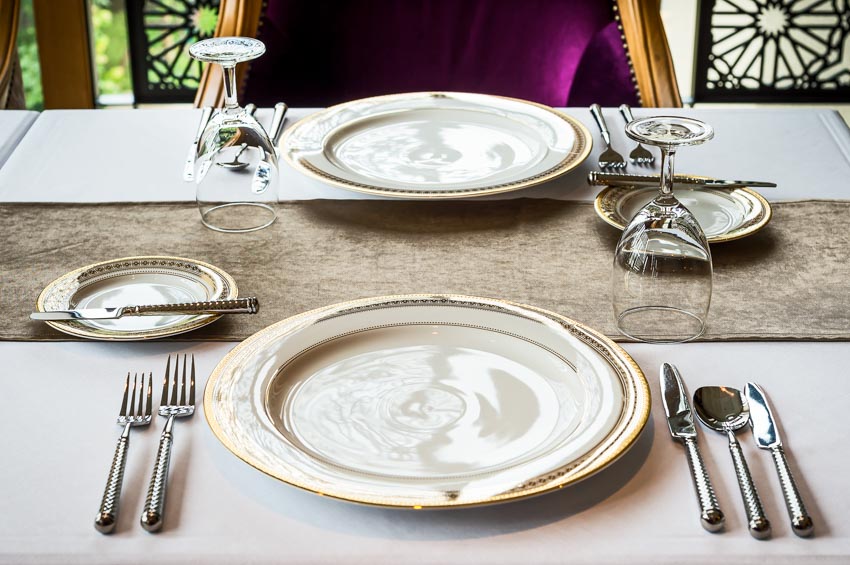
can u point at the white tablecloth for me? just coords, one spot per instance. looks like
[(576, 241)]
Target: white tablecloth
[(13, 125), (59, 402), (126, 155)]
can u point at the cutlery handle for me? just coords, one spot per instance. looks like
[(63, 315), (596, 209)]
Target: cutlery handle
[(107, 516), (626, 112), (757, 522), (711, 516), (801, 522), (189, 163), (237, 306), (206, 114), (276, 127), (154, 511), (250, 109), (596, 111)]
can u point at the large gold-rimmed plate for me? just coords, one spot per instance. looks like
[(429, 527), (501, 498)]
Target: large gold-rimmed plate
[(723, 214), (136, 281), (436, 145), (427, 401)]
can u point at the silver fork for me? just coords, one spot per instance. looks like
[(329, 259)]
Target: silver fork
[(153, 513), (609, 159), (130, 415), (639, 154)]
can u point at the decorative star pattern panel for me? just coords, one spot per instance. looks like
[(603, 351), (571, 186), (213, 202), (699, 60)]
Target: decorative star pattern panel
[(161, 32), (774, 50)]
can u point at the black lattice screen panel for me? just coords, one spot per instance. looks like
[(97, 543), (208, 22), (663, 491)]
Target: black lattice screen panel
[(161, 32), (773, 51)]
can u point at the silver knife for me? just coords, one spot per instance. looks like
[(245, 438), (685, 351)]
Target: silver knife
[(601, 178), (767, 437), (680, 420), (189, 164), (276, 126), (236, 306)]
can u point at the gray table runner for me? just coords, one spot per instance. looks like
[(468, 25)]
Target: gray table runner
[(791, 281)]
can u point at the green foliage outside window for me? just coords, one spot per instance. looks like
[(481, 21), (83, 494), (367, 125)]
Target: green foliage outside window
[(111, 58)]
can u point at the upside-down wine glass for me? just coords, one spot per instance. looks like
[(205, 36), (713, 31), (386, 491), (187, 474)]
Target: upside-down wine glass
[(662, 267), (234, 199)]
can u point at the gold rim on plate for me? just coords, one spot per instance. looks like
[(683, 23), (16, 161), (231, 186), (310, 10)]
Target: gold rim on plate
[(580, 151), (227, 422), (56, 294), (758, 210)]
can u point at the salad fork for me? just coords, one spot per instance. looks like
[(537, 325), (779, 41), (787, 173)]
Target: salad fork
[(609, 159), (639, 154), (153, 513), (130, 415)]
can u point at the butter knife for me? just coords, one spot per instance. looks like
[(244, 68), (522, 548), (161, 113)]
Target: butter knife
[(680, 420), (767, 437), (189, 164), (237, 306), (600, 178)]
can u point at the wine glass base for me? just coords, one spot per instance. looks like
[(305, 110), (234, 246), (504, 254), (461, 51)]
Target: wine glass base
[(660, 324), (238, 217)]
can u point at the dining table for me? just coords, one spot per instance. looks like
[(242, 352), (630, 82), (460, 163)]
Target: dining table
[(59, 398)]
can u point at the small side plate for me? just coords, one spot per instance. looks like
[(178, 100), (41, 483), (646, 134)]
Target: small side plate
[(724, 214), (134, 281)]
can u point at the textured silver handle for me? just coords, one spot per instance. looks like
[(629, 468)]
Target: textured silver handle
[(206, 114), (626, 112), (154, 511), (237, 306), (757, 522), (107, 516), (801, 522), (276, 127), (711, 516), (600, 121)]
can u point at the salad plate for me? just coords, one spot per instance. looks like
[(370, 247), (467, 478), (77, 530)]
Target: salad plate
[(136, 281), (723, 214), (427, 401), (436, 145)]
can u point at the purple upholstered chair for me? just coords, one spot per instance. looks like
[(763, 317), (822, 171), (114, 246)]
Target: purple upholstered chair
[(556, 52)]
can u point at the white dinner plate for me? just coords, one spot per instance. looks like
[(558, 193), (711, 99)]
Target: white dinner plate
[(427, 401), (723, 214), (436, 145), (136, 281)]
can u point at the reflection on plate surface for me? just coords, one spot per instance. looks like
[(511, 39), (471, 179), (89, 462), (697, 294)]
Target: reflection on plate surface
[(427, 401), (136, 281), (723, 214), (436, 145)]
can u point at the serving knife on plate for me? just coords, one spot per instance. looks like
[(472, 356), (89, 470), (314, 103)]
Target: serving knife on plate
[(189, 164), (767, 437), (601, 178), (680, 420), (236, 306)]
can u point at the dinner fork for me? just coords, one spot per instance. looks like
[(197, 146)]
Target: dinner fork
[(130, 415), (609, 159), (153, 513), (639, 154)]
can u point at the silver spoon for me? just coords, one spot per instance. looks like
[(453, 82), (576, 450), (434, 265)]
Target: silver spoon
[(236, 164), (724, 410)]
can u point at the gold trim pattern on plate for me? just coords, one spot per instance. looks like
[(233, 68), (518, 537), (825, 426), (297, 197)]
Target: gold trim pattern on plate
[(606, 207), (625, 432), (580, 152), (56, 294)]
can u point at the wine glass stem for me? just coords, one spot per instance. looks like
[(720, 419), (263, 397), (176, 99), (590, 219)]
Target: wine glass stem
[(667, 158), (230, 102)]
